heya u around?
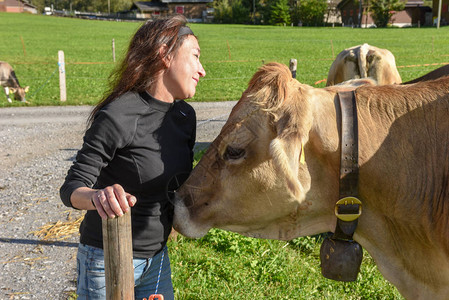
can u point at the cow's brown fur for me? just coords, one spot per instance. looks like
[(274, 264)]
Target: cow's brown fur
[(269, 193)]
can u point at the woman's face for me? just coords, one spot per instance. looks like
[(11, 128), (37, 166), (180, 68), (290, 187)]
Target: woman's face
[(184, 70)]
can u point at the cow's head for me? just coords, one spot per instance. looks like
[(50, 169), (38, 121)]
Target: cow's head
[(19, 93), (254, 179)]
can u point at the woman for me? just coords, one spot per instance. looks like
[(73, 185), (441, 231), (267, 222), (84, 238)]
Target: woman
[(141, 134)]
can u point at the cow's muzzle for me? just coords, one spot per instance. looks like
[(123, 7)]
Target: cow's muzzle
[(172, 188)]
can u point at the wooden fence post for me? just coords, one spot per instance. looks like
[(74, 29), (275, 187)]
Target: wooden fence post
[(23, 47), (113, 50), (61, 64), (293, 65), (118, 258), (229, 49), (332, 47)]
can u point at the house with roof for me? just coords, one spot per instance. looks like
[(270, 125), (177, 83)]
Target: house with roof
[(415, 13), (17, 6), (193, 10)]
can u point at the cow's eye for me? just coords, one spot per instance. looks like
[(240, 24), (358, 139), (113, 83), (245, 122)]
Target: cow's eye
[(233, 153)]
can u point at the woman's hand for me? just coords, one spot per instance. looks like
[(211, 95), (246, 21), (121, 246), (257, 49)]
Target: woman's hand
[(112, 201)]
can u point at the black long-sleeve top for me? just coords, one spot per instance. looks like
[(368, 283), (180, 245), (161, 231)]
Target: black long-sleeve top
[(140, 143)]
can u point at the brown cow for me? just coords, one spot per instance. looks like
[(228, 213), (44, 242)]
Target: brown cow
[(435, 74), (10, 83), (364, 61), (273, 172)]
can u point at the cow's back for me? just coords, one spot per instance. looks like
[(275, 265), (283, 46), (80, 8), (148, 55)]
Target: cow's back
[(381, 65), (364, 61), (344, 67)]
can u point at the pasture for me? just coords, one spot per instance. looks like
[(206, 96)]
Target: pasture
[(230, 53), (221, 265)]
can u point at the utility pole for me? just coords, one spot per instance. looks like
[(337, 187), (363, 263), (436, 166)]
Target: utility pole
[(360, 13), (254, 12)]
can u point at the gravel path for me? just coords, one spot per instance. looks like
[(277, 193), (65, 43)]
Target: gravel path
[(38, 145)]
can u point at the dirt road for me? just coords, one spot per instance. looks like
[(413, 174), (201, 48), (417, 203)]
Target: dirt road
[(29, 132)]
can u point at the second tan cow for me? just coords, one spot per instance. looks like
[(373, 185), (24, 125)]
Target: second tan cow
[(364, 61), (273, 172)]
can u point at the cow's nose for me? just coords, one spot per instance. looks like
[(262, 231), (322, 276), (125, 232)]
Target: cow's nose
[(181, 199), (172, 187)]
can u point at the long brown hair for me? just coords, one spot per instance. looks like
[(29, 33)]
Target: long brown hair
[(143, 62)]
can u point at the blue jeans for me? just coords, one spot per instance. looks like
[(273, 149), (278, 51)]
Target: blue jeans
[(91, 276)]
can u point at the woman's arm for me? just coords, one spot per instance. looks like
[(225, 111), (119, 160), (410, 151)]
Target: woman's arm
[(110, 202)]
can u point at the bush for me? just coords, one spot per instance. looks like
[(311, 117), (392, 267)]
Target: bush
[(231, 12), (279, 13), (383, 10), (222, 12), (310, 12)]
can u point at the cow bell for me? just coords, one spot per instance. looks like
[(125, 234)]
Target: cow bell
[(340, 259)]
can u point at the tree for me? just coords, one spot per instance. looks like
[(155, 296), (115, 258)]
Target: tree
[(383, 10), (240, 13), (279, 12), (222, 12), (231, 11), (310, 12)]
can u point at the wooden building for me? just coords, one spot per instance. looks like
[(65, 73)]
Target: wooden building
[(414, 14), (193, 10), (17, 6)]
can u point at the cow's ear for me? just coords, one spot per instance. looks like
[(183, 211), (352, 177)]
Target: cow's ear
[(269, 85), (285, 154), (12, 90), (27, 88), (293, 122), (294, 118)]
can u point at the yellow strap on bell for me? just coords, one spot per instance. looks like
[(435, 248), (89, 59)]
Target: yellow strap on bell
[(348, 201)]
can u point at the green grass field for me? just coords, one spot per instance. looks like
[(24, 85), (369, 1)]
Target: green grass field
[(222, 265), (225, 265), (230, 53)]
